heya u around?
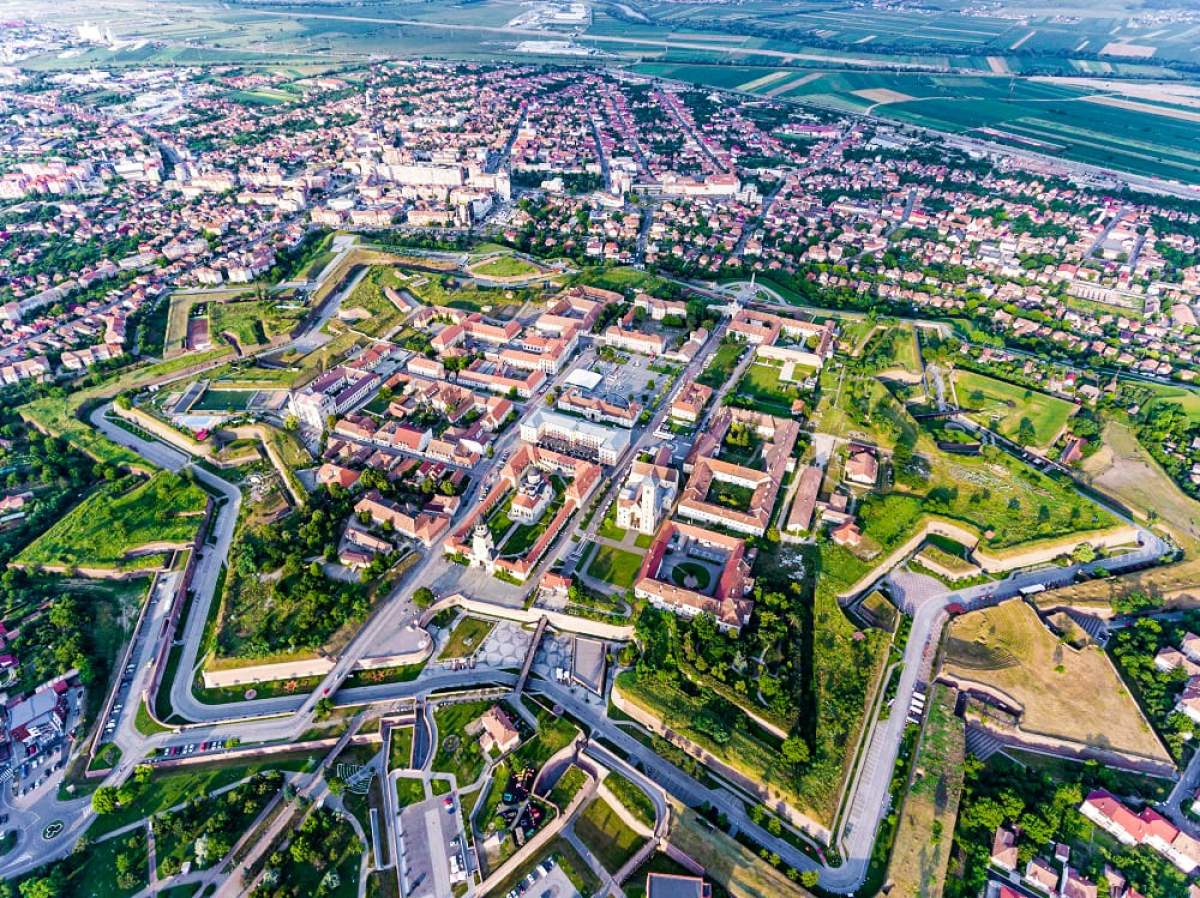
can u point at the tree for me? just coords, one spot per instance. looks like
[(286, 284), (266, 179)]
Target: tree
[(337, 785), (323, 708), (1026, 432), (104, 800), (423, 597), (42, 887), (809, 878), (795, 751)]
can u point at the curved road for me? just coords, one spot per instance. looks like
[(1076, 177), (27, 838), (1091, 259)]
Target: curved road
[(870, 790)]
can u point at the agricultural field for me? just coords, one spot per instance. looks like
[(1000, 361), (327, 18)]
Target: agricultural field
[(1007, 407), (118, 519), (1071, 694), (1063, 116)]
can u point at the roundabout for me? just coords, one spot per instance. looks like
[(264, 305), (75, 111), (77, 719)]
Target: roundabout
[(52, 830)]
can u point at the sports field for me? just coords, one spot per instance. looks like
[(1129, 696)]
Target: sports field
[(991, 401)]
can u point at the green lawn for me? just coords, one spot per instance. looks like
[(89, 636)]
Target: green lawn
[(468, 635), (635, 885), (609, 528), (572, 780), (1004, 405), (631, 797), (606, 835), (615, 566), (501, 775), (457, 752), (118, 518), (504, 267), (690, 570), (401, 749), (409, 791), (172, 787), (253, 322), (92, 873), (554, 733), (762, 388), (722, 364)]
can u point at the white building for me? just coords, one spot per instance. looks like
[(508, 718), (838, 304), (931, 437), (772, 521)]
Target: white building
[(574, 436)]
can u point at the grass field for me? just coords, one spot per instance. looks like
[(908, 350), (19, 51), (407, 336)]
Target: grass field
[(606, 835), (762, 385), (400, 755), (116, 519), (181, 303), (749, 749), (1125, 470), (369, 296), (738, 869), (999, 404), (615, 566), (921, 851), (253, 322), (504, 267), (169, 788), (1073, 695), (468, 635), (632, 797)]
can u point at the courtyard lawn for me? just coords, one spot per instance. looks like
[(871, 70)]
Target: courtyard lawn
[(606, 835), (466, 638), (118, 518), (729, 495), (615, 566), (1066, 693), (1007, 405), (762, 388), (691, 575)]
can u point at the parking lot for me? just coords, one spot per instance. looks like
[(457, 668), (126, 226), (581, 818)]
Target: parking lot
[(432, 847)]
